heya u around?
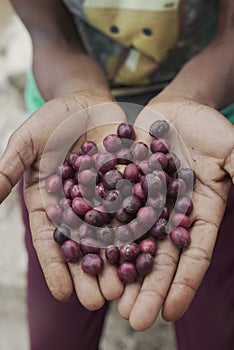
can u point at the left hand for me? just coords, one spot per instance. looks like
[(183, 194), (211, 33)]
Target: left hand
[(173, 283)]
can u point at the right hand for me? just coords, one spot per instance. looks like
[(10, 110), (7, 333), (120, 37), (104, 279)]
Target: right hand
[(24, 154)]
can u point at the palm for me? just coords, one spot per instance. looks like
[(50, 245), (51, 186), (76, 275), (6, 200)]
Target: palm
[(39, 145), (209, 139)]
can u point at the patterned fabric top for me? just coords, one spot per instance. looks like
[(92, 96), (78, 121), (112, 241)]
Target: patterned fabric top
[(143, 42)]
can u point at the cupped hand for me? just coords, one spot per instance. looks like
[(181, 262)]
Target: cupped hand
[(176, 276), (31, 151)]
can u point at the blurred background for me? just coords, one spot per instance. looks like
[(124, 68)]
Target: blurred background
[(15, 58)]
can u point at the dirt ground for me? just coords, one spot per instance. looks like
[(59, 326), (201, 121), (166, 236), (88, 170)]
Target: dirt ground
[(15, 53)]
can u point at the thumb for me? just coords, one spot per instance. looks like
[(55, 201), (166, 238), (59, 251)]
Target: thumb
[(17, 157)]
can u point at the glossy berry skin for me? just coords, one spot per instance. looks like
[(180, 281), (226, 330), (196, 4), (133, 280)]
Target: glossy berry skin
[(112, 143), (151, 184), (92, 264), (124, 156), (61, 234), (65, 203), (184, 205), (158, 202), (164, 213), (67, 185), (180, 237), (146, 216), (88, 177), (144, 167), (158, 160), (132, 204), (173, 163), (112, 254), (83, 162), (138, 191), (131, 172), (106, 216), (89, 245), (80, 206), (88, 147), (159, 128), (127, 272), (65, 171), (71, 157), (94, 217), (188, 175), (125, 188), (144, 264), (129, 252), (179, 219), (176, 187), (101, 189), (159, 145), (54, 213), (70, 218), (85, 231), (140, 150), (105, 162), (53, 184), (112, 201), (158, 231), (111, 178), (148, 246), (71, 251), (76, 191), (126, 131), (122, 216)]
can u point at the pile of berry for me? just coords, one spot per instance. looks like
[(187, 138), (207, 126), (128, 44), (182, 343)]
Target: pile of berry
[(123, 199)]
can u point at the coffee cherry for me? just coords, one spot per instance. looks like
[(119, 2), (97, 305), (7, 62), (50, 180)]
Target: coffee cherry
[(94, 217), (105, 162), (89, 245), (179, 219), (53, 184), (144, 264), (148, 246), (132, 204), (184, 205), (80, 206), (112, 143), (158, 231), (129, 252), (123, 234), (92, 264), (111, 178), (88, 147), (127, 272), (159, 145), (112, 254), (180, 237), (61, 234), (67, 185), (105, 235), (140, 150), (54, 213), (126, 131), (159, 128), (71, 251)]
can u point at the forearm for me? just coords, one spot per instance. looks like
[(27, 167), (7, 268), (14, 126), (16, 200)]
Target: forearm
[(209, 77), (60, 64)]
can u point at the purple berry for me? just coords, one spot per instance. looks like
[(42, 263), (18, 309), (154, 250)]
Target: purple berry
[(180, 237), (106, 216), (159, 128), (131, 172), (124, 156), (112, 201), (71, 251), (140, 150), (83, 162), (126, 131), (188, 175), (94, 217), (88, 147), (144, 264), (127, 272), (61, 234), (165, 213), (76, 191), (129, 252), (80, 206), (122, 216), (146, 216), (53, 184), (148, 246), (92, 264), (66, 171), (179, 219), (65, 203), (151, 184), (88, 177), (138, 191), (69, 218), (158, 160), (71, 157), (67, 185), (157, 202), (144, 167), (158, 231), (176, 187), (101, 189), (184, 205), (112, 143), (132, 204), (125, 188), (159, 145), (112, 254), (105, 162), (173, 163), (54, 213), (89, 245), (111, 178)]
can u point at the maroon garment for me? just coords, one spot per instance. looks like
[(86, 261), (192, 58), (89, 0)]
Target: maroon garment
[(52, 324), (209, 322)]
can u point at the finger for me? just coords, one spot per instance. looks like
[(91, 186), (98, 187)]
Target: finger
[(19, 154), (53, 265), (195, 259), (128, 298), (110, 284), (87, 288), (155, 287)]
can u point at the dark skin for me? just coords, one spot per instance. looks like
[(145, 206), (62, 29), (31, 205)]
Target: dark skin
[(71, 81)]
